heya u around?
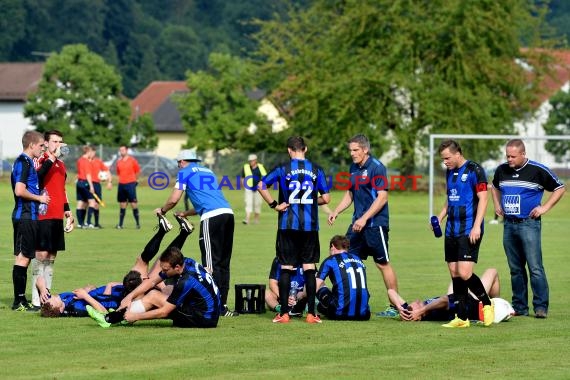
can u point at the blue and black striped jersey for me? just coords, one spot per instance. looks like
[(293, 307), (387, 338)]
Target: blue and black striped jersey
[(77, 307), (463, 184), (23, 171), (196, 292), (300, 183), (347, 273)]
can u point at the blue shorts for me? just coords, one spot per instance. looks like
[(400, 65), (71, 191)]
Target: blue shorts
[(372, 241), (83, 193), (97, 188), (127, 192)]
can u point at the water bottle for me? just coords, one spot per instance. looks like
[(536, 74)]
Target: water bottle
[(64, 150), (293, 294), (436, 227), (42, 209)]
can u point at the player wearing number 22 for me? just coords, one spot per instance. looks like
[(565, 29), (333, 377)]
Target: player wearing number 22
[(302, 188)]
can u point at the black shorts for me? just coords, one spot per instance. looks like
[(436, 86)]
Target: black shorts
[(460, 249), (127, 192), (297, 247), (372, 241), (97, 188), (191, 319), (25, 237), (50, 235), (82, 189)]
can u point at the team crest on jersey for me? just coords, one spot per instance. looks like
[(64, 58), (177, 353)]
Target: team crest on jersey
[(453, 197), (365, 173), (464, 177)]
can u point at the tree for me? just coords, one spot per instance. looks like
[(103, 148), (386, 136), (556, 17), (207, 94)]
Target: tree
[(559, 124), (217, 111), (81, 96), (144, 132), (399, 70)]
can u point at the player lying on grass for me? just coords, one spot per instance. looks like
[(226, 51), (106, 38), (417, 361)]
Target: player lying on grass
[(442, 308), (109, 297)]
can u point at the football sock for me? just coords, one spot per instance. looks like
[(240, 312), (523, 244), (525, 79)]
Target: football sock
[(80, 216), (152, 247), (115, 316), (179, 240), (48, 272), (122, 216), (96, 215), (476, 286), (90, 211), (460, 295), (284, 287), (311, 287), (136, 215), (37, 271), (19, 279)]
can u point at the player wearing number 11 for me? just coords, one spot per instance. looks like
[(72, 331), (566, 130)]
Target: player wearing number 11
[(302, 188)]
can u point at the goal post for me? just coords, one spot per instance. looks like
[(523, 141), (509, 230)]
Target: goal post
[(433, 137)]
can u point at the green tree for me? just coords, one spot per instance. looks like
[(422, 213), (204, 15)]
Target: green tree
[(398, 70), (559, 124), (142, 128), (217, 111), (80, 95)]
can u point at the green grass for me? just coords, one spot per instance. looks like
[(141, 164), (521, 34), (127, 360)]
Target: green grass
[(250, 346)]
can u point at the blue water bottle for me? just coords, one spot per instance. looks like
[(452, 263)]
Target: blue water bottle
[(436, 227)]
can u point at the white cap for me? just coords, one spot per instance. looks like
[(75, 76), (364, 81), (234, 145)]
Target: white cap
[(251, 157), (187, 155)]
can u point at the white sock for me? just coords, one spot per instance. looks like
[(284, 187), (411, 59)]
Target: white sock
[(48, 273), (37, 271)]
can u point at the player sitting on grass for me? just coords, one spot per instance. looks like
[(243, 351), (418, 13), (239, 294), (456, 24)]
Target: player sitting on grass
[(109, 297), (297, 294), (442, 308)]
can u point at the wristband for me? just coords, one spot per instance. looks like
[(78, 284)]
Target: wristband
[(273, 204)]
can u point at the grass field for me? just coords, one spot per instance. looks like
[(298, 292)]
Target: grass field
[(250, 346)]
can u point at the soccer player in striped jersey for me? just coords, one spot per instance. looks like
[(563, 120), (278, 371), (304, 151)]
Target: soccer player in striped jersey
[(194, 301), (464, 208), (348, 299), (297, 294), (302, 188), (518, 186), (27, 200)]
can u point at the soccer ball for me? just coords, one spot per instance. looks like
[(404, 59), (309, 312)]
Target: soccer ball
[(103, 176), (503, 310)]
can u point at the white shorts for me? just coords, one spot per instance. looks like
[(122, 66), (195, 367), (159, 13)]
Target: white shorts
[(137, 307), (252, 201)]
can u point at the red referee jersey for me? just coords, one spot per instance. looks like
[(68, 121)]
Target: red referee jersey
[(128, 169), (54, 184), (83, 167)]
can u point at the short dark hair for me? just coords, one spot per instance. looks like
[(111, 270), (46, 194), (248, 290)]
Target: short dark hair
[(340, 242), (48, 134), (453, 146), (172, 256), (31, 137), (131, 281), (49, 311), (296, 144)]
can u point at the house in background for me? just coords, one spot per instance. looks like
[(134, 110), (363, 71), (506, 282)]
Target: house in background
[(156, 99), (17, 81)]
